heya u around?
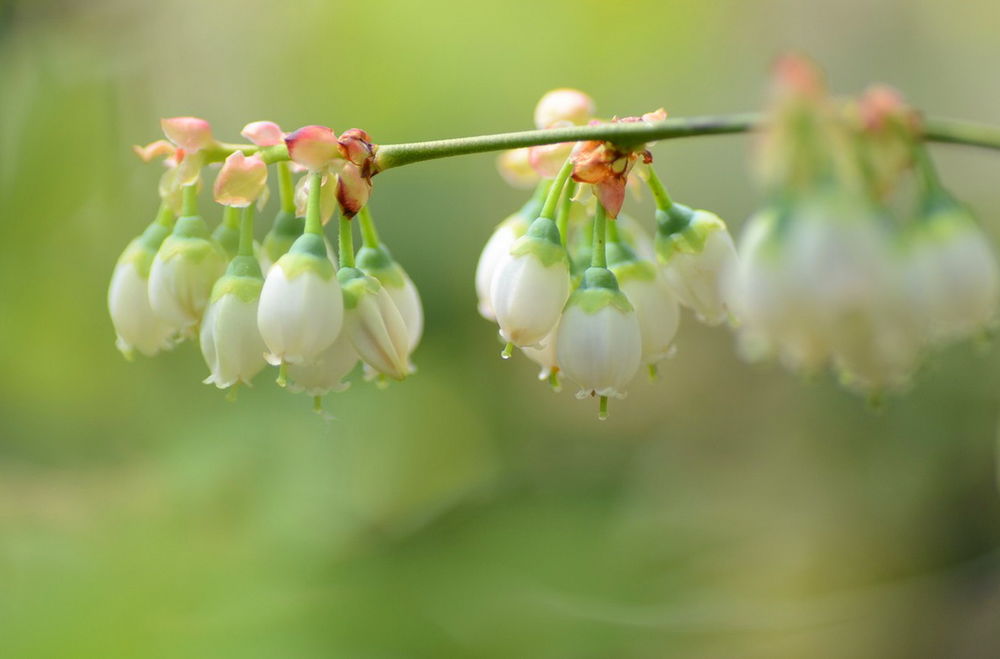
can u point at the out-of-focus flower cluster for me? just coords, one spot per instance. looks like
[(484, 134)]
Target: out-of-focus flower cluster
[(582, 289), (859, 260), (314, 320)]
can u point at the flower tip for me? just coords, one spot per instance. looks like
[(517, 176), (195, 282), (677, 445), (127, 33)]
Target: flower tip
[(188, 133), (155, 149), (797, 75), (263, 133), (565, 104), (313, 147)]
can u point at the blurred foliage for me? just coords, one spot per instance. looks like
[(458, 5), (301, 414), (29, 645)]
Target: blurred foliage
[(727, 510)]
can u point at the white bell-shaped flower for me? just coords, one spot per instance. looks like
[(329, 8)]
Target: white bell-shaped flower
[(378, 262), (374, 325), (495, 252), (326, 372), (777, 314), (301, 305), (697, 254), (230, 339), (654, 303), (530, 288), (183, 272), (951, 274), (136, 325), (599, 342)]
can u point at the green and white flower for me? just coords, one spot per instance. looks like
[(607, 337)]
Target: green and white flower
[(230, 339), (374, 325)]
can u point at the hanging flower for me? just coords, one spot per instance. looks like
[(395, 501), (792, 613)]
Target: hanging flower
[(230, 339), (374, 325), (655, 305)]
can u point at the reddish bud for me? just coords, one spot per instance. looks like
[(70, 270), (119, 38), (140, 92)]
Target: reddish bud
[(313, 147), (241, 180), (263, 133), (353, 189), (797, 76), (356, 146), (882, 105), (189, 133)]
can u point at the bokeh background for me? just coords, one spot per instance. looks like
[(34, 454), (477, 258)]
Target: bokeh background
[(726, 510)]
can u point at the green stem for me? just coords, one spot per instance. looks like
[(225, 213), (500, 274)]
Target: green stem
[(189, 203), (286, 187), (552, 199), (314, 222), (663, 200), (165, 216), (246, 231), (598, 255), (950, 131), (612, 231), (369, 236), (928, 175), (231, 217), (562, 217), (346, 243)]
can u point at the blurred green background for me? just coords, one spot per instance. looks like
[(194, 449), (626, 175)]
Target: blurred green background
[(727, 510)]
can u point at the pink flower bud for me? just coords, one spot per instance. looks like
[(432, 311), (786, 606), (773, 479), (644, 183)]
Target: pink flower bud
[(313, 147), (263, 133), (241, 180), (570, 105), (189, 133), (353, 189)]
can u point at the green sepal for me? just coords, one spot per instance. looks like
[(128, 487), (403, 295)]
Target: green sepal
[(354, 284), (542, 241), (617, 253), (378, 262), (246, 287), (597, 290), (283, 233), (142, 250), (307, 254), (691, 239), (191, 226), (192, 248), (674, 219), (635, 270), (228, 238), (245, 266)]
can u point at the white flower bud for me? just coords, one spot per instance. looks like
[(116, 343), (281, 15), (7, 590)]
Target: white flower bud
[(230, 340), (325, 372), (599, 343), (655, 306), (378, 262), (951, 275), (374, 325), (136, 325), (697, 259), (495, 252), (183, 273), (530, 288), (301, 305)]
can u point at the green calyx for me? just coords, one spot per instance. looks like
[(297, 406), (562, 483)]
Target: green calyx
[(191, 226), (283, 233), (245, 266), (245, 287), (190, 248), (635, 270), (691, 239), (599, 289), (674, 219), (228, 238), (307, 254), (355, 284), (378, 262), (619, 253), (541, 241)]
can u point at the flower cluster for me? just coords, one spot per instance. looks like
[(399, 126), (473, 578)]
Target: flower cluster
[(860, 260), (582, 289), (311, 318)]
